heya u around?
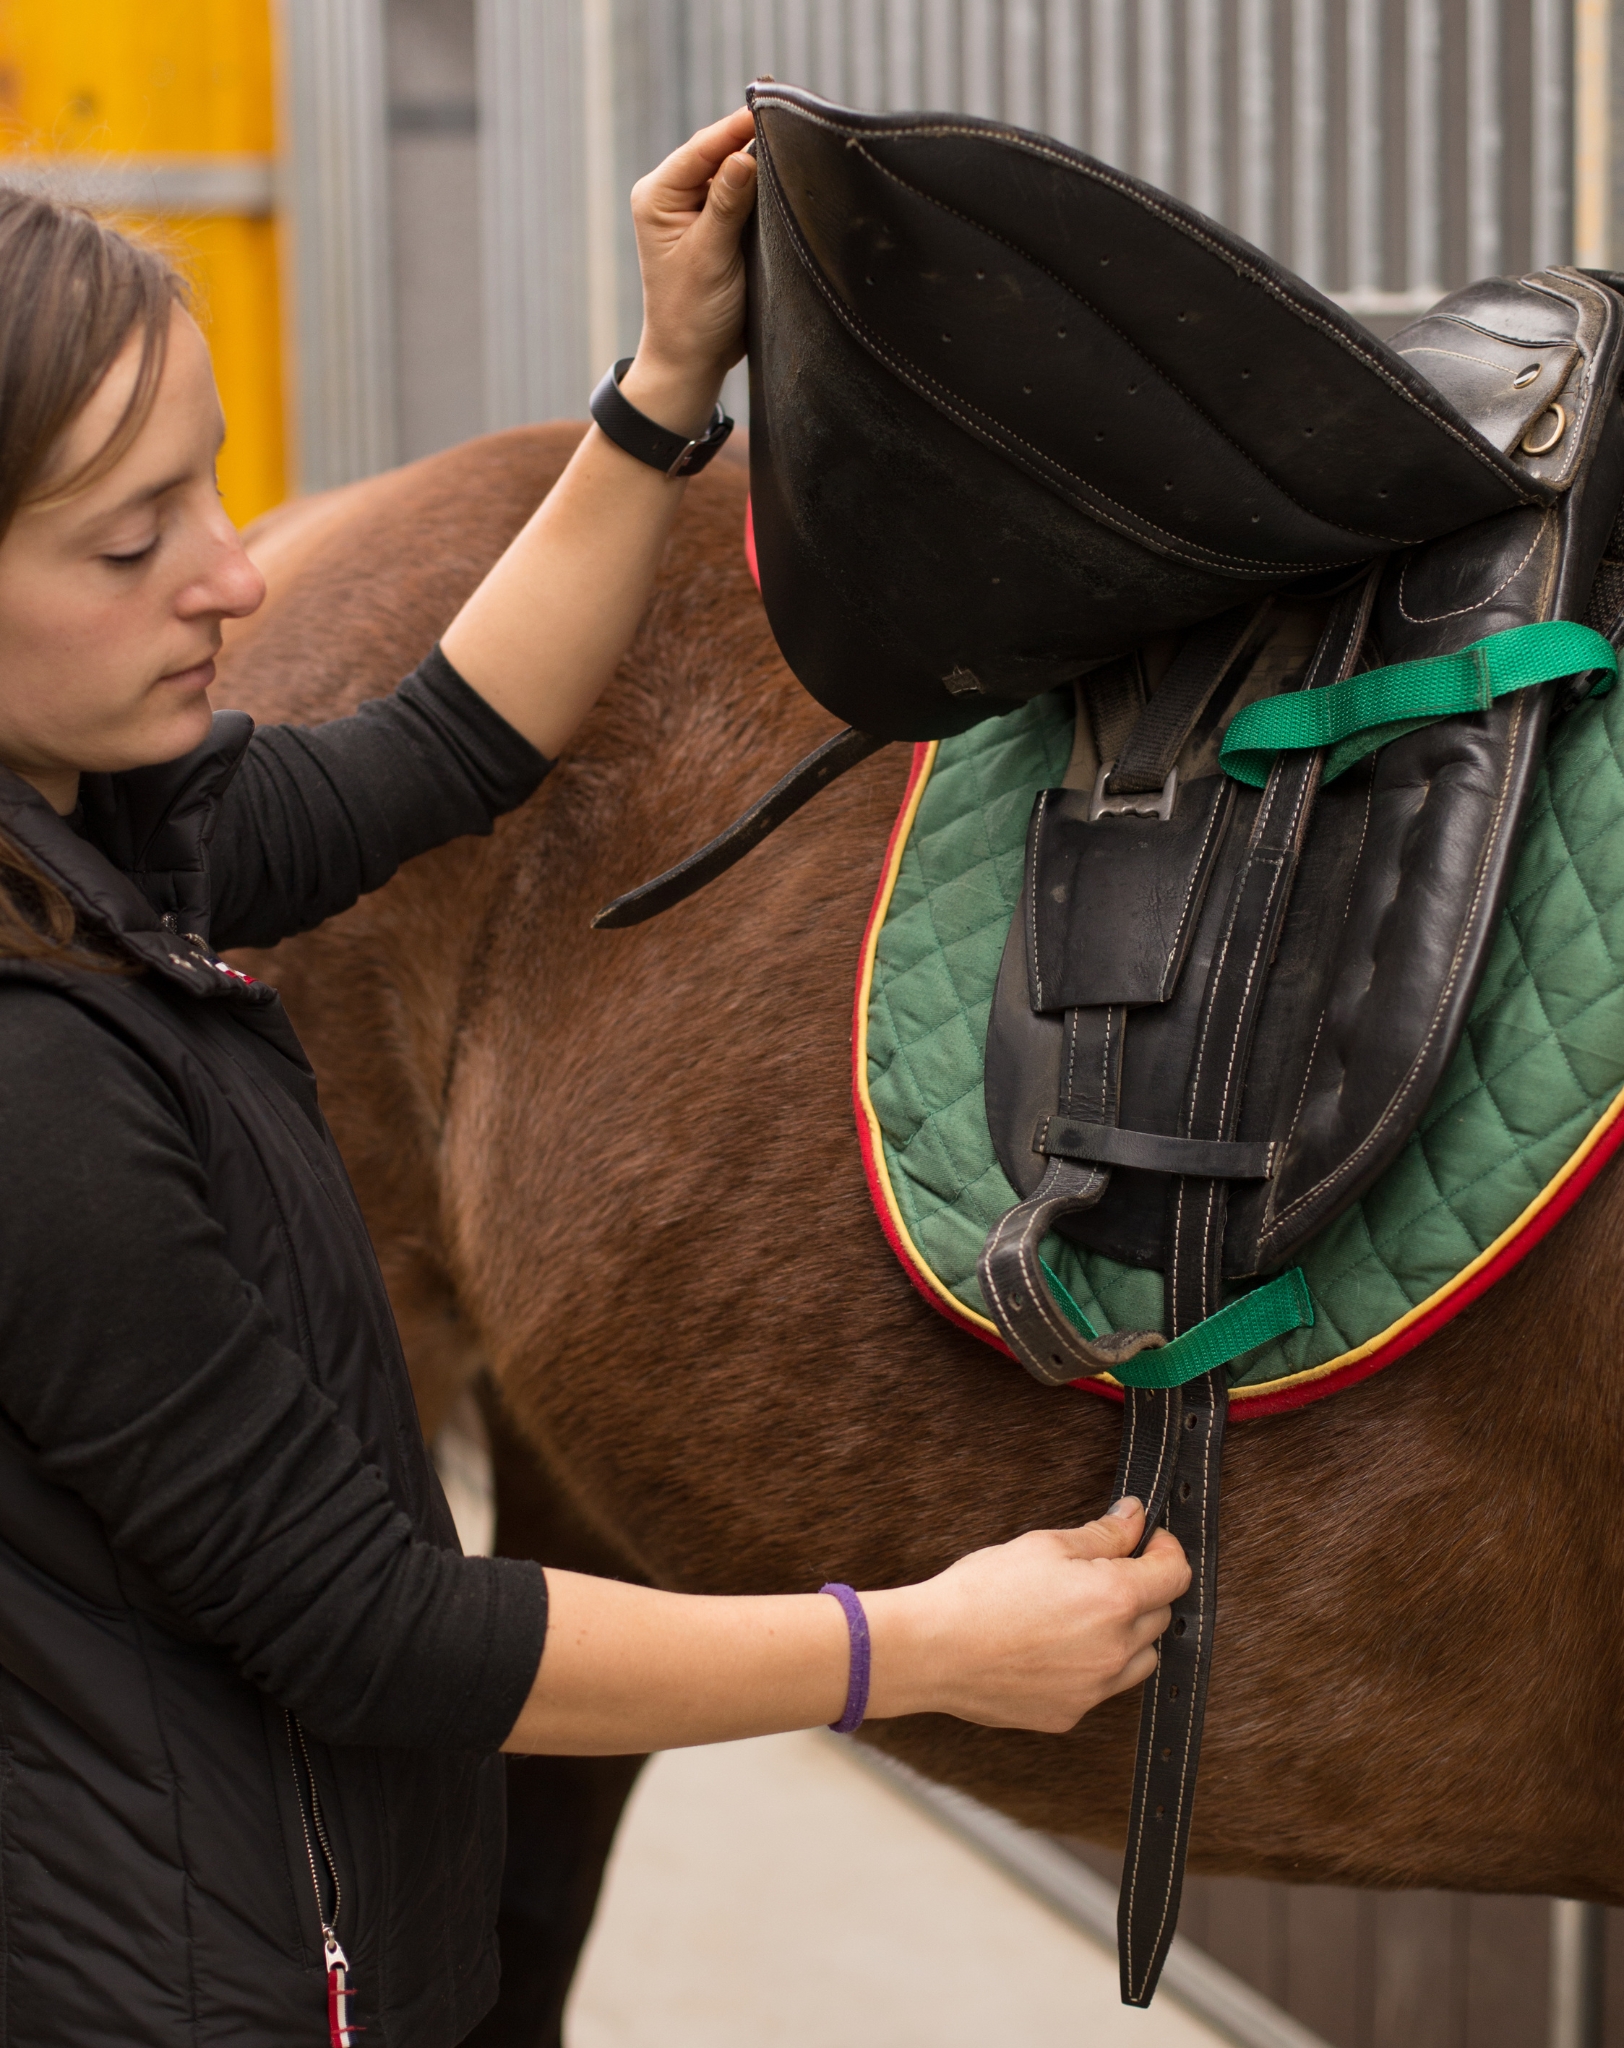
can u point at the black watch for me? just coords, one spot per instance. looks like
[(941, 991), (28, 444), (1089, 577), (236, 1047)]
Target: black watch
[(640, 436)]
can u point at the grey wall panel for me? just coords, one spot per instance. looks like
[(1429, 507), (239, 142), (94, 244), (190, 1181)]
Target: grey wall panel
[(335, 192), (533, 207), (434, 208)]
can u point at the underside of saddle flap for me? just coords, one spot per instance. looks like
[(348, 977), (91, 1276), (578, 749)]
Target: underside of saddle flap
[(1014, 411)]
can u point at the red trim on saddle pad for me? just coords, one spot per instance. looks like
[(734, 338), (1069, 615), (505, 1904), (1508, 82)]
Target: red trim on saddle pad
[(1271, 1398)]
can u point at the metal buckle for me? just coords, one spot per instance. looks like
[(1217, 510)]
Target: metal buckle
[(1142, 806), (688, 452), (713, 428)]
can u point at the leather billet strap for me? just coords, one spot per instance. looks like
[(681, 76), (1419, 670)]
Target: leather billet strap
[(1173, 1708), (821, 767), (1015, 1286), (1162, 731), (1172, 1450)]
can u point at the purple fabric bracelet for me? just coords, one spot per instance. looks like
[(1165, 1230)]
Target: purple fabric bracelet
[(857, 1684)]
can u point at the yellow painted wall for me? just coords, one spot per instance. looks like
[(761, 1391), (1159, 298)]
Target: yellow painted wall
[(122, 78)]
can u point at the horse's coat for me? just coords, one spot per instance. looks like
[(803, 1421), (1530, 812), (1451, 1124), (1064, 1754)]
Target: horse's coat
[(669, 1262)]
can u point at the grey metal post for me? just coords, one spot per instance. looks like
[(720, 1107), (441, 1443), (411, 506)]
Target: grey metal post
[(1578, 1948), (533, 208), (1423, 182), (335, 196), (1485, 137), (1308, 139)]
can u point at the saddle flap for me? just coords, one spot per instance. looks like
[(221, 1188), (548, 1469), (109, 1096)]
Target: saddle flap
[(1113, 900)]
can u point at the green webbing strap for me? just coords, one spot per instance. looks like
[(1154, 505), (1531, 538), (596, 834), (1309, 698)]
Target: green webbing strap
[(1267, 1312), (1354, 718)]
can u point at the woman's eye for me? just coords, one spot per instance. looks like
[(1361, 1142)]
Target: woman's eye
[(137, 555)]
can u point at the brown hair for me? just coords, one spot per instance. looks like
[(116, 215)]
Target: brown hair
[(72, 292)]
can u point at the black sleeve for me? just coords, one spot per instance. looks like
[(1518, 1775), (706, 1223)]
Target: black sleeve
[(318, 815), (147, 1376)]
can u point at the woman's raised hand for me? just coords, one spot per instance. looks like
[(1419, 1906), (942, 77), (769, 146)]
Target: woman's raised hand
[(1032, 1633), (542, 634), (689, 213)]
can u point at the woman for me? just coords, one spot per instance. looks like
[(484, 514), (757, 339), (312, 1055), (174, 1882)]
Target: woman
[(251, 1694)]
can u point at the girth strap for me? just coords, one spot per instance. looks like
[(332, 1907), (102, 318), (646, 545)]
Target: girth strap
[(1172, 1448), (821, 767), (1173, 1709), (1163, 728)]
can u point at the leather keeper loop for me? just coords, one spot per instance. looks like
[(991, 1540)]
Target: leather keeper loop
[(1149, 1152)]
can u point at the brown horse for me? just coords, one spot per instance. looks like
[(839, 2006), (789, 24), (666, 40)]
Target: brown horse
[(618, 1171)]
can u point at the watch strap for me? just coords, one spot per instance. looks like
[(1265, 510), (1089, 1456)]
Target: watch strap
[(638, 435)]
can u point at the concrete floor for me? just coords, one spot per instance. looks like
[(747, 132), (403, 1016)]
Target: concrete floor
[(774, 1894)]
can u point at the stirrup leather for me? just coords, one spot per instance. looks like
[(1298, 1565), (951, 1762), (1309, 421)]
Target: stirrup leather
[(1029, 1319)]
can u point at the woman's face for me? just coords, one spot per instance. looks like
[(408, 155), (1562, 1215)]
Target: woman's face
[(111, 600)]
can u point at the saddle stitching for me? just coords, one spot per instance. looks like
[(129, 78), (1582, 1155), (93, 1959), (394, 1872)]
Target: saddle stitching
[(1101, 175), (1278, 860), (1032, 895), (1105, 1064), (1130, 1878), (1215, 972), (1172, 383), (1175, 1863), (1511, 575), (1459, 355), (1347, 906), (1468, 927), (1195, 872), (1133, 524)]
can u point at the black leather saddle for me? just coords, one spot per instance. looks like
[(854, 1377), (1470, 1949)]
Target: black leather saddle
[(1020, 422), (1013, 412)]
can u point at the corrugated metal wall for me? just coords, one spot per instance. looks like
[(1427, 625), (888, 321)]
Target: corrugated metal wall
[(1387, 149), (1383, 148)]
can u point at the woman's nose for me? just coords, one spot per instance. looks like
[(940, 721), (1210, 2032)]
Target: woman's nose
[(231, 587)]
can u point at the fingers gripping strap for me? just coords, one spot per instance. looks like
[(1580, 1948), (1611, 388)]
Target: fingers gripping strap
[(1356, 717)]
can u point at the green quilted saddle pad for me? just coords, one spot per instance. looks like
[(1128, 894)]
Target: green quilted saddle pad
[(1527, 1113)]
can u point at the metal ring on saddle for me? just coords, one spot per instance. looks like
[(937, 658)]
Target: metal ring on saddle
[(1559, 413)]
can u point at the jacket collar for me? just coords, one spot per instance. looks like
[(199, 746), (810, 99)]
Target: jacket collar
[(140, 876)]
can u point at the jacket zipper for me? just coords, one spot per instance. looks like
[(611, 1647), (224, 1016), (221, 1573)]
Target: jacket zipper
[(341, 2029)]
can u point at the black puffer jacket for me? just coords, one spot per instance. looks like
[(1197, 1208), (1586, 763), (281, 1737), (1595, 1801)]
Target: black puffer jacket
[(223, 1550)]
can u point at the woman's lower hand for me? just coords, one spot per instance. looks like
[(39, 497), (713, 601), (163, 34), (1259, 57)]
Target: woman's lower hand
[(1028, 1634), (689, 213)]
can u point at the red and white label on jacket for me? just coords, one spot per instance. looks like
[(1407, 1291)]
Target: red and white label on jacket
[(341, 2027)]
